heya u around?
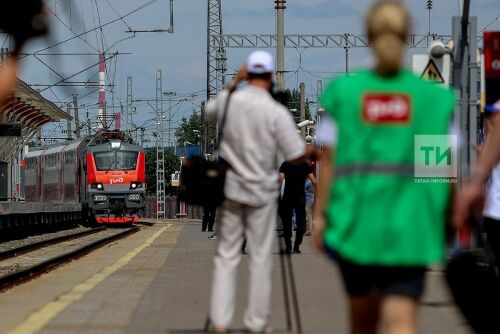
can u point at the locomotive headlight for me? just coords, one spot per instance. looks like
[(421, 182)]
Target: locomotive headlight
[(115, 145), (97, 186), (134, 197), (135, 185), (100, 198)]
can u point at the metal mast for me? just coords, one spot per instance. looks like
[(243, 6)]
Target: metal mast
[(216, 52), (102, 118), (429, 8), (319, 93), (160, 150), (302, 92), (280, 45), (77, 119), (129, 105), (68, 126)]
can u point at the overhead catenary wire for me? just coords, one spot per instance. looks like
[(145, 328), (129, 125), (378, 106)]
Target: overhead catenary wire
[(99, 27), (79, 72), (70, 29)]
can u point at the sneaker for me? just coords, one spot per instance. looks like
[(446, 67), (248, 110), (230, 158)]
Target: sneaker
[(213, 237)]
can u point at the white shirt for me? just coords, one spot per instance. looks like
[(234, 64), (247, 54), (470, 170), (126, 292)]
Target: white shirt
[(256, 128), (492, 205)]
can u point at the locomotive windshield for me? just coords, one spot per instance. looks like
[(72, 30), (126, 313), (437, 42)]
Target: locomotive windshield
[(119, 160)]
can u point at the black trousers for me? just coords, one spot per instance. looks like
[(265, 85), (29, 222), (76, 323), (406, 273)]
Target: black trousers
[(287, 208), (492, 228), (208, 218)]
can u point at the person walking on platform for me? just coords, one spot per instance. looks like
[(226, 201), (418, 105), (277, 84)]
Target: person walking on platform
[(294, 201), (208, 221), (373, 218), (491, 212), (255, 128)]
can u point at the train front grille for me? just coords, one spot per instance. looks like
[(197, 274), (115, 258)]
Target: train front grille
[(117, 204)]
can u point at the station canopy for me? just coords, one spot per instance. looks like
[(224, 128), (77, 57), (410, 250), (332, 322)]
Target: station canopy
[(29, 109)]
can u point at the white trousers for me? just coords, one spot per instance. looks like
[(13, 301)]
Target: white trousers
[(257, 224)]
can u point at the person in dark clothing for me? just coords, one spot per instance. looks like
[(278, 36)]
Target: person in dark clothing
[(294, 201), (208, 218)]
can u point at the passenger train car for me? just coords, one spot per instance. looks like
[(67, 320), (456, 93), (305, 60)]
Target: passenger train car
[(105, 172)]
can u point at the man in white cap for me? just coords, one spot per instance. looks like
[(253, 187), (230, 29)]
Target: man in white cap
[(256, 128)]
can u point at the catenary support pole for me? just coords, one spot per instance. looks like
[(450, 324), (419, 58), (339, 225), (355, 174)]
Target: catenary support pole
[(68, 123), (77, 119), (302, 89), (280, 45)]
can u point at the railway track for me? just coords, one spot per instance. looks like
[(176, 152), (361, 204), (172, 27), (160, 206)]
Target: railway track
[(28, 261)]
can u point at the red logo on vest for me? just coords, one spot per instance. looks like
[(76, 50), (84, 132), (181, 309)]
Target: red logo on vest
[(386, 108)]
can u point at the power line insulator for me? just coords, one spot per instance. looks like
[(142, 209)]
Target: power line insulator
[(429, 4)]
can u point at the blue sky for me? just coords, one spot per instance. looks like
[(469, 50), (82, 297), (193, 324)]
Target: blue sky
[(182, 55)]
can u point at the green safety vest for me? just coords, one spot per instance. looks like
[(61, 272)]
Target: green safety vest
[(378, 212)]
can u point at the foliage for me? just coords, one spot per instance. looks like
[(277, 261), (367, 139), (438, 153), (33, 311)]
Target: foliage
[(172, 164), (293, 102), (190, 129)]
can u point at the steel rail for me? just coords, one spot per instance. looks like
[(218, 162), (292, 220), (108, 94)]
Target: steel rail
[(17, 277), (9, 253)]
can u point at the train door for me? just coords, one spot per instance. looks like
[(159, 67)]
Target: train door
[(40, 177)]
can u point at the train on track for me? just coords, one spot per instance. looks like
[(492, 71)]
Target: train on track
[(105, 172)]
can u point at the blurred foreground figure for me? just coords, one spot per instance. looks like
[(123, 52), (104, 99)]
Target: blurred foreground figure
[(491, 212), (256, 127), (471, 198), (22, 20), (381, 225)]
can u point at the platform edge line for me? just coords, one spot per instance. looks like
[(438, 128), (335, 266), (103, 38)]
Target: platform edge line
[(42, 316)]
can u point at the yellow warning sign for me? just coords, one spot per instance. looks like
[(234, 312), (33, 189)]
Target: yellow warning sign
[(431, 72)]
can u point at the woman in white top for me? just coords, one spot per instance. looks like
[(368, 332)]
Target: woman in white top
[(491, 213)]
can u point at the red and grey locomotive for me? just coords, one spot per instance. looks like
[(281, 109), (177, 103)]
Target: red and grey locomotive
[(105, 172)]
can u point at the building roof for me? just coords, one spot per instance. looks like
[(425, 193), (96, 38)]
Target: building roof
[(27, 107)]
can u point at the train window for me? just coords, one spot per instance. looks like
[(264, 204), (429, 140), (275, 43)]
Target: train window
[(121, 160), (105, 160), (126, 160)]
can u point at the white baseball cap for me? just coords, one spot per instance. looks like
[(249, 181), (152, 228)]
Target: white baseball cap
[(259, 62)]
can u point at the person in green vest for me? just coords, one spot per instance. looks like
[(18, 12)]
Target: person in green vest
[(382, 208)]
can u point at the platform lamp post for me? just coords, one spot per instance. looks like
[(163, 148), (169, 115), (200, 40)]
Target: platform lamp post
[(198, 134)]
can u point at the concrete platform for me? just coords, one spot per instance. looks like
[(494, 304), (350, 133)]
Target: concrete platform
[(10, 208), (158, 281), (17, 215)]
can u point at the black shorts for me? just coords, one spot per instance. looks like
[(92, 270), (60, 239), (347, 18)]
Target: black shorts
[(361, 280)]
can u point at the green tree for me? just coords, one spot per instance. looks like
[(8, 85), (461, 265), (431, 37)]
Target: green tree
[(190, 129), (293, 103), (172, 164)]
